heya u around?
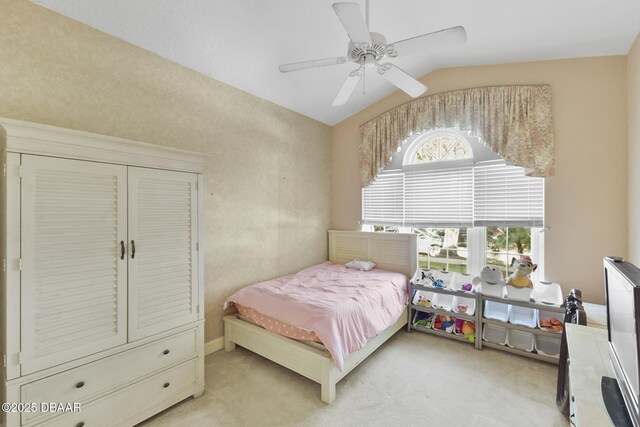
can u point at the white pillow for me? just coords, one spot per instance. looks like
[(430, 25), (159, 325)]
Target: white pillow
[(361, 264)]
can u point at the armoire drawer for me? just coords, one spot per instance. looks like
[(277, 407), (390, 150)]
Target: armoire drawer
[(78, 384), (123, 404)]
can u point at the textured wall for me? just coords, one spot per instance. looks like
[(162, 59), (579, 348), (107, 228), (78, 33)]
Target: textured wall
[(268, 172), (586, 202), (633, 103)]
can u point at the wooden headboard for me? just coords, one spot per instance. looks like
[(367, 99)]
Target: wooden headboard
[(390, 251)]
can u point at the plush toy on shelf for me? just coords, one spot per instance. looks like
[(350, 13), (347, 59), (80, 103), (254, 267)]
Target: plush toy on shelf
[(423, 301), (444, 323), (488, 274), (522, 268), (466, 328)]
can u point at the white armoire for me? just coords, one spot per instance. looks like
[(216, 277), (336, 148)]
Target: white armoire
[(102, 280)]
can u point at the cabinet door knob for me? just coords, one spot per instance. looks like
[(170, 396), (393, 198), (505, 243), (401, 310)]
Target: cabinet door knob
[(80, 424), (166, 385), (80, 384), (166, 351)]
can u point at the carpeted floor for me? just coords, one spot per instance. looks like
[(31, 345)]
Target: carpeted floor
[(414, 379)]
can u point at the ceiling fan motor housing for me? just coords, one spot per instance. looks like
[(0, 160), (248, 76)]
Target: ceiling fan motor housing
[(368, 54)]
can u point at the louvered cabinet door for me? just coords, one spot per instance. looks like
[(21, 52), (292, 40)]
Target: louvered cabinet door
[(163, 233), (73, 284)]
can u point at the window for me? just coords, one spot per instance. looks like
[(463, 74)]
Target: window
[(468, 212), (443, 249), (504, 243), (436, 146)]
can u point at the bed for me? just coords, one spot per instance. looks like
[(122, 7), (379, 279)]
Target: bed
[(391, 252)]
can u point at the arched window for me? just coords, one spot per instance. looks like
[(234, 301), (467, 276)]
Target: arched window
[(452, 191), (437, 146)]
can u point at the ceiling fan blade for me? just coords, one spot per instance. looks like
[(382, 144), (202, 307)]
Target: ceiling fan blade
[(352, 21), (348, 87), (402, 80), (437, 40), (295, 66)]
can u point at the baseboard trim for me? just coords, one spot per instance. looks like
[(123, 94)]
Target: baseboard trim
[(213, 345)]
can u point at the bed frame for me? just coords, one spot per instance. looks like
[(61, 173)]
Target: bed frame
[(390, 251)]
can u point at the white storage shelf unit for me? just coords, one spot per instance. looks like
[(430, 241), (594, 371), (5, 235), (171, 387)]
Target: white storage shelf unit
[(508, 324), (446, 302), (520, 334)]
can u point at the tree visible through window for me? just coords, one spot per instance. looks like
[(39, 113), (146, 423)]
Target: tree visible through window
[(504, 243)]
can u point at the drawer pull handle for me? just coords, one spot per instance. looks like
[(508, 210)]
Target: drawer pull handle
[(121, 249), (80, 424), (133, 249), (166, 351), (166, 385), (80, 384)]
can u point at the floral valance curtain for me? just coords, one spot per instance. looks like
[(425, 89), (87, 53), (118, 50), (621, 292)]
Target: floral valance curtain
[(514, 121)]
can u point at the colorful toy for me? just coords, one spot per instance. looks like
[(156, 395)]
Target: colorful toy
[(424, 319), (466, 328), (522, 268), (467, 287), (438, 283), (444, 323), (423, 301), (553, 324)]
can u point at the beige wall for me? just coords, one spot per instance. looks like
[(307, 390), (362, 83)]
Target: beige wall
[(586, 201), (633, 103), (267, 177)]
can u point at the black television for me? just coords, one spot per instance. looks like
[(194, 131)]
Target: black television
[(622, 288)]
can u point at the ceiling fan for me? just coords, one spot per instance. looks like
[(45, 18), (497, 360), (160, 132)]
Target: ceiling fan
[(367, 49)]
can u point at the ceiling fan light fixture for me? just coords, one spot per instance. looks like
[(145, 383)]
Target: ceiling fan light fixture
[(367, 49)]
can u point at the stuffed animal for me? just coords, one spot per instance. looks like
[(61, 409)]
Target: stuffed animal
[(468, 328), (488, 274), (522, 268), (444, 323)]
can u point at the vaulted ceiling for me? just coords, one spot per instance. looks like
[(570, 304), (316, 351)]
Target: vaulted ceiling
[(242, 42)]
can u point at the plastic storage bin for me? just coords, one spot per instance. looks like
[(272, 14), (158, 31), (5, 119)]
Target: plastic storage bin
[(444, 323), (547, 293), (493, 289), (422, 319), (548, 346), (420, 277), (523, 316), (445, 276), (423, 298), (519, 294), (520, 340), (495, 334), (459, 280), (546, 316), (464, 305), (442, 301), (496, 311)]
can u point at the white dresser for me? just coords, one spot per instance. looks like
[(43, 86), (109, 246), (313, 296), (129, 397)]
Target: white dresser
[(102, 280)]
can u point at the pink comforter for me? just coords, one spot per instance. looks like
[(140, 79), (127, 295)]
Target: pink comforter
[(344, 307)]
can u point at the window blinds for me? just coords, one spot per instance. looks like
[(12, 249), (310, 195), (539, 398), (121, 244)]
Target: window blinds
[(505, 196), (383, 200), (487, 194), (439, 197)]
